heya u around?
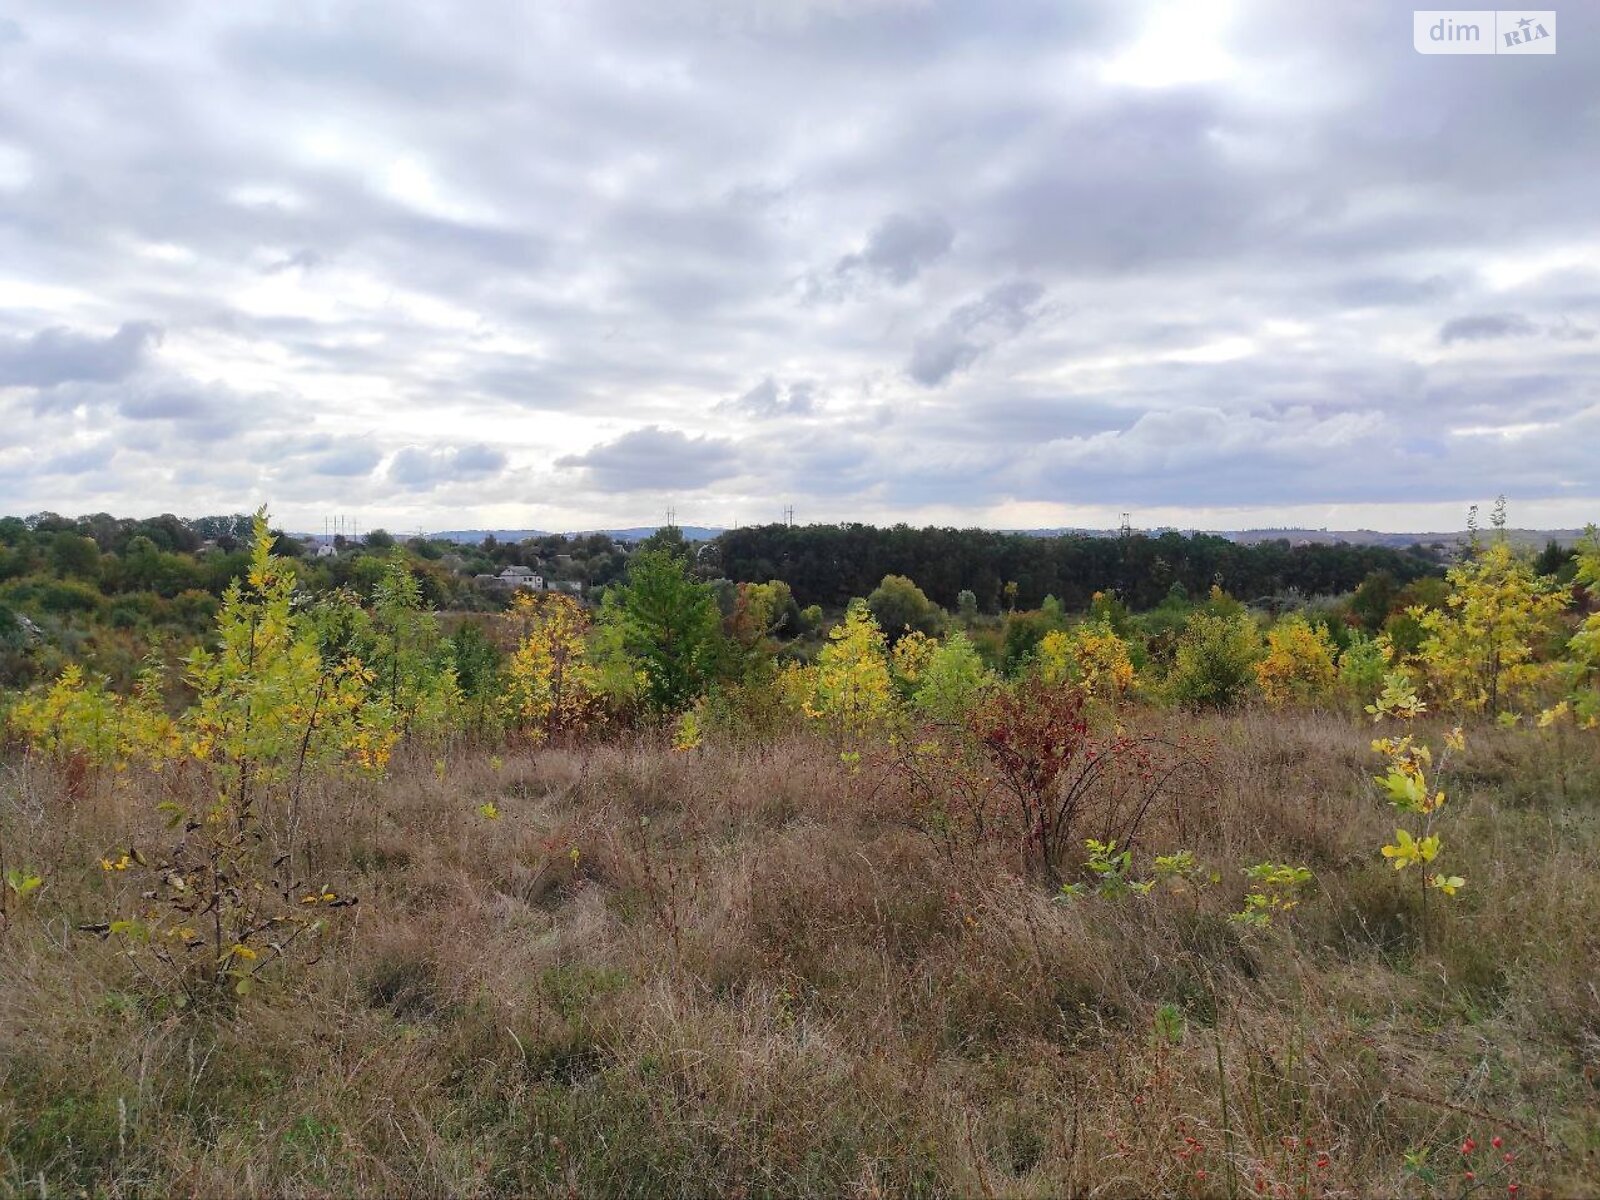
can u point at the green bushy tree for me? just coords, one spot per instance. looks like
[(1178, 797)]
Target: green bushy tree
[(899, 606), (669, 624), (1215, 661)]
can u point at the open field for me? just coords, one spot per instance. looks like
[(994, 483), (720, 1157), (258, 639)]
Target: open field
[(746, 970)]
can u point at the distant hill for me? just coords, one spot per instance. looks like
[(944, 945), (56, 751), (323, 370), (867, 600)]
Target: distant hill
[(1534, 538), (473, 536), (637, 533)]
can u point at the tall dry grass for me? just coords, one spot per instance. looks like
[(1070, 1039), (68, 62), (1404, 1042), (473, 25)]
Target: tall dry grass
[(758, 976)]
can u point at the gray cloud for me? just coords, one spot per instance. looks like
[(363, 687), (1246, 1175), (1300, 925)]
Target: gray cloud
[(304, 260), (769, 399), (900, 248), (415, 467), (1566, 330), (345, 461), (60, 355), (972, 329), (654, 459), (1486, 328), (84, 461)]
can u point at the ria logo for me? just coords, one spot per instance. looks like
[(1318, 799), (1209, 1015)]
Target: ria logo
[(1528, 31), (1484, 31)]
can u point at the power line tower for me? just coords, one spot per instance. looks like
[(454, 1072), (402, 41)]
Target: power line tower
[(672, 515), (788, 515), (1125, 575)]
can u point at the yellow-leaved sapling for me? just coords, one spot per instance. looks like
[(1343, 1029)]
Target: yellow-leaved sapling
[(1411, 783)]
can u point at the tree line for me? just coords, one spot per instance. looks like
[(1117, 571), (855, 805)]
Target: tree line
[(829, 564)]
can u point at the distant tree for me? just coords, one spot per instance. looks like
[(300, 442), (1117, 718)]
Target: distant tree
[(1092, 657), (668, 539), (1375, 599), (366, 570), (68, 597), (286, 546), (380, 539), (13, 531), (1556, 559), (169, 533), (1108, 609), (11, 635), (899, 607), (235, 528), (967, 605), (1362, 667), (424, 548), (49, 522), (761, 611), (73, 556), (1024, 632)]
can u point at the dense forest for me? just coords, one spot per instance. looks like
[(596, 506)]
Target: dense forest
[(828, 564)]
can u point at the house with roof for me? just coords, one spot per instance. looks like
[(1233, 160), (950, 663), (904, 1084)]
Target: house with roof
[(521, 577)]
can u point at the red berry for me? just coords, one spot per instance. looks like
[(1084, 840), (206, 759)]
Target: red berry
[(1496, 1141)]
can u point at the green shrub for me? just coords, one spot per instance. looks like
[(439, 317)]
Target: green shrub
[(1215, 662)]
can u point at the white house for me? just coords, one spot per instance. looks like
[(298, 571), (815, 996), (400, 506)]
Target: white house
[(522, 577)]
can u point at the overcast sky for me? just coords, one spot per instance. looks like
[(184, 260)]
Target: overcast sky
[(563, 265)]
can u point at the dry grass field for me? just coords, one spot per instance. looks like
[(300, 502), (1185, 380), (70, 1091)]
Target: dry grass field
[(747, 971)]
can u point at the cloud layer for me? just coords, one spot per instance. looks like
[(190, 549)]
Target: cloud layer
[(1037, 262)]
